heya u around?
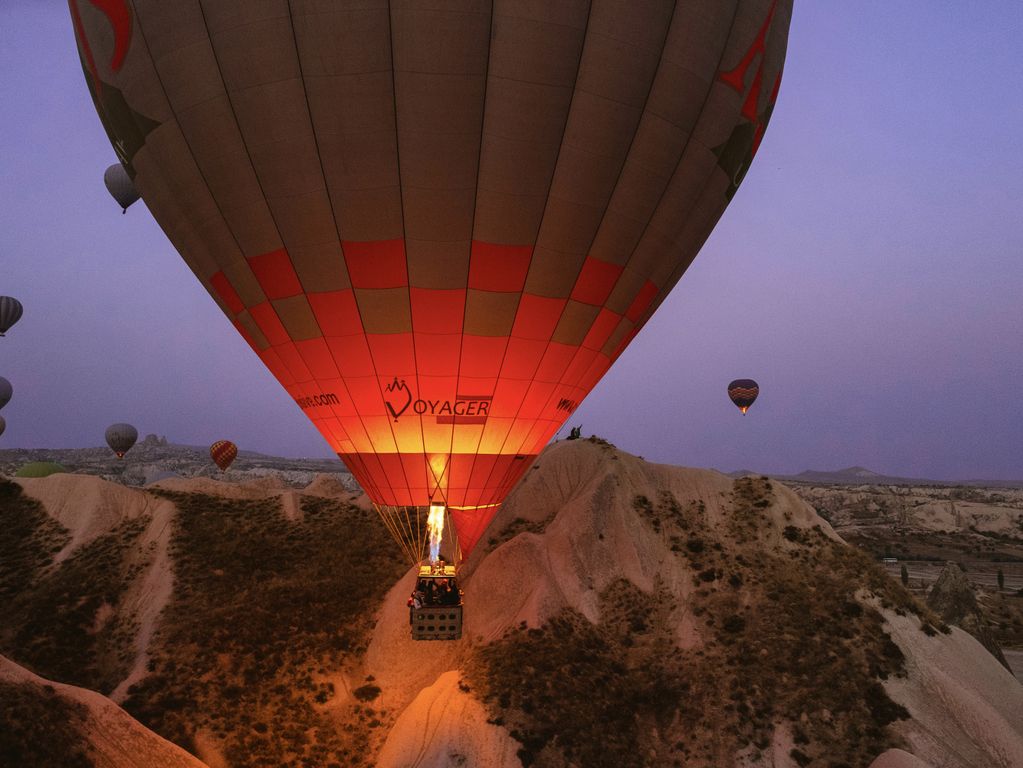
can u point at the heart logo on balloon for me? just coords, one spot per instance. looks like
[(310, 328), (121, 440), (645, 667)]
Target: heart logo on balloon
[(397, 387)]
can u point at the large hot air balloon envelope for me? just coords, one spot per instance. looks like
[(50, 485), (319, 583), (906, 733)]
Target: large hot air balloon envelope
[(6, 391), (223, 452), (120, 186), (743, 392), (10, 313), (121, 437), (438, 224)]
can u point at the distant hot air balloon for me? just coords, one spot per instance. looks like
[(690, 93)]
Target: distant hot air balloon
[(10, 312), (437, 224), (223, 452), (743, 392), (121, 437), (3, 425), (6, 391), (120, 186)]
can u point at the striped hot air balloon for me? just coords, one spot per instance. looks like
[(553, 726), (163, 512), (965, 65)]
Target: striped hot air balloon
[(223, 453), (743, 392), (437, 224)]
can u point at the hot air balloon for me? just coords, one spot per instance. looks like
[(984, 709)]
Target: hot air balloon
[(6, 391), (3, 425), (223, 452), (438, 225), (10, 313), (743, 392), (120, 186), (121, 437)]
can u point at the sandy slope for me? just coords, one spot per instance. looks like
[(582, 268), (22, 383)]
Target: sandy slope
[(445, 726), (87, 506), (115, 739), (898, 758), (593, 538), (149, 593), (90, 507), (250, 489), (967, 709), (403, 667), (328, 486), (322, 486)]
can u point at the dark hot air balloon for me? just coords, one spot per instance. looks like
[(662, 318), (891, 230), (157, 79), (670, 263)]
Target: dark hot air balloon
[(10, 312), (223, 452), (6, 391), (3, 425), (121, 437), (743, 392), (437, 224), (120, 186)]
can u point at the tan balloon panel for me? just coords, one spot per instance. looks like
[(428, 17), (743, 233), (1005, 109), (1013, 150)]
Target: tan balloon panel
[(437, 226)]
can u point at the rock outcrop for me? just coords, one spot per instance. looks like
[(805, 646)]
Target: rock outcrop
[(953, 598)]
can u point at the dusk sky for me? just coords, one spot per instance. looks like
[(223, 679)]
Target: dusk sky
[(868, 274)]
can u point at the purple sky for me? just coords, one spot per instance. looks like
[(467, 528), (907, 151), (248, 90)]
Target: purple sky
[(869, 274)]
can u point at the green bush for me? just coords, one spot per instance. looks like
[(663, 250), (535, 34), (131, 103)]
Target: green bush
[(39, 728), (39, 469), (366, 692)]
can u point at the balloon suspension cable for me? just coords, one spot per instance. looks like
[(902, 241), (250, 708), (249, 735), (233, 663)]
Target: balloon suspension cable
[(398, 524), (420, 530), (458, 546)]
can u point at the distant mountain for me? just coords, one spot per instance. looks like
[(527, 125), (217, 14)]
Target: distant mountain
[(863, 476)]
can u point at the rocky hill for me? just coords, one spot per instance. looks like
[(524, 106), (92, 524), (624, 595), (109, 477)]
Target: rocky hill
[(617, 613), (153, 458), (862, 476), (861, 509)]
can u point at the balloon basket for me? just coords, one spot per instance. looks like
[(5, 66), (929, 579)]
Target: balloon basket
[(436, 609)]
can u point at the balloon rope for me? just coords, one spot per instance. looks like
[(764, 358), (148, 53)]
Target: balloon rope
[(411, 531), (454, 535), (390, 522), (411, 535), (395, 533)]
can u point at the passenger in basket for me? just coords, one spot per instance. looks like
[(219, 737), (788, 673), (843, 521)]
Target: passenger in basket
[(449, 594), (415, 602)]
